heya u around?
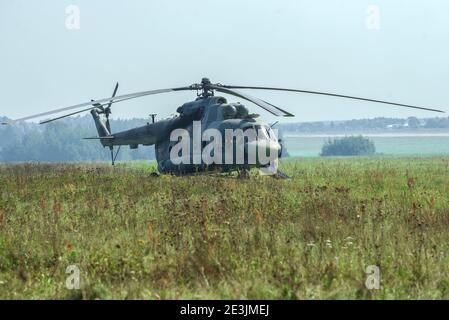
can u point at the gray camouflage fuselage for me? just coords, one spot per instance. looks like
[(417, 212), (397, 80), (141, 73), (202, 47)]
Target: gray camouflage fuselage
[(213, 112)]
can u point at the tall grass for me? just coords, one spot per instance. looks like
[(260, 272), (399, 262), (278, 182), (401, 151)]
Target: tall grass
[(135, 236)]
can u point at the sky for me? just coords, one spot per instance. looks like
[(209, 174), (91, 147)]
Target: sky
[(394, 50)]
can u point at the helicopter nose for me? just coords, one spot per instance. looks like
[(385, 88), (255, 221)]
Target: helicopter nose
[(267, 148)]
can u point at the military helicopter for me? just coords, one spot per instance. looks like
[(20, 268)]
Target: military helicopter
[(207, 110)]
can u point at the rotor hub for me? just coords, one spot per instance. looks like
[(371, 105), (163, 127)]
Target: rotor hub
[(204, 89), (205, 81)]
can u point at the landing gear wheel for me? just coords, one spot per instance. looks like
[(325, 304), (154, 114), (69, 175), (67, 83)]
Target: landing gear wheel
[(243, 174), (280, 175)]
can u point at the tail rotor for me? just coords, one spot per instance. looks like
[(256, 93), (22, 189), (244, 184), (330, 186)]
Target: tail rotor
[(106, 110)]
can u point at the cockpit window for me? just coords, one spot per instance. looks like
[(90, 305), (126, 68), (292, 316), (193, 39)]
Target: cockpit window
[(250, 133), (261, 132), (271, 134)]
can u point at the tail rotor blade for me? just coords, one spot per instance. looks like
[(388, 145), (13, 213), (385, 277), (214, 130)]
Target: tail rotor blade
[(113, 95)]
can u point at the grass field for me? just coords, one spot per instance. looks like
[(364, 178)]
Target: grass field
[(134, 236)]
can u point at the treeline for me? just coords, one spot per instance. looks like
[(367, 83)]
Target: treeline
[(62, 141), (376, 124)]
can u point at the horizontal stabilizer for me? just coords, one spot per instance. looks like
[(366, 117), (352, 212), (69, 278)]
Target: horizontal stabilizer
[(100, 138)]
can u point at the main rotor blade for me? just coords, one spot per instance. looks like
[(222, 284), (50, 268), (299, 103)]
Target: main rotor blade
[(101, 101), (62, 117), (265, 105), (287, 114), (84, 110), (335, 95)]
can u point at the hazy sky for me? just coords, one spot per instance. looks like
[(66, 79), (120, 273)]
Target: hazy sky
[(329, 45)]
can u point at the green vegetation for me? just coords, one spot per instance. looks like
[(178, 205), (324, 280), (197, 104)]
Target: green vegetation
[(348, 146), (312, 236)]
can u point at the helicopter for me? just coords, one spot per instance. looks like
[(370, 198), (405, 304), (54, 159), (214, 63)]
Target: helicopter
[(182, 153)]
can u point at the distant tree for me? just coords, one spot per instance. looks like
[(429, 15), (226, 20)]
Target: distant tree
[(348, 146), (437, 123), (413, 123)]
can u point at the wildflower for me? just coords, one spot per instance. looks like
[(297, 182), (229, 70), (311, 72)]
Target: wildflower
[(311, 245), (56, 207)]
